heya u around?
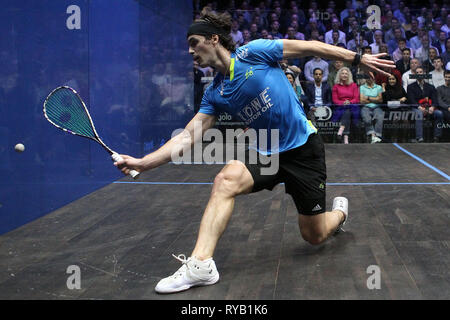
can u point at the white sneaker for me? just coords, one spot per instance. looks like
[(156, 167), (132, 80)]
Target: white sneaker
[(192, 273), (375, 139), (341, 203)]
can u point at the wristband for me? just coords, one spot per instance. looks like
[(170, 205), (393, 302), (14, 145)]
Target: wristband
[(356, 60)]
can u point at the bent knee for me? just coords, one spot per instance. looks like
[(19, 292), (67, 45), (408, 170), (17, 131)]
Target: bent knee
[(312, 236), (233, 179)]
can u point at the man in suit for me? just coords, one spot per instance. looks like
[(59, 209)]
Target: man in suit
[(318, 93), (417, 93)]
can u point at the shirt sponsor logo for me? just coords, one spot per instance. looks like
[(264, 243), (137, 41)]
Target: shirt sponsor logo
[(242, 54), (256, 107), (249, 73)]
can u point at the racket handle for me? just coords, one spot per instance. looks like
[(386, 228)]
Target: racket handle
[(133, 173)]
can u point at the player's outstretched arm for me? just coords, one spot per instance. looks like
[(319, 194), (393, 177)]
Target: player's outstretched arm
[(192, 133), (303, 48)]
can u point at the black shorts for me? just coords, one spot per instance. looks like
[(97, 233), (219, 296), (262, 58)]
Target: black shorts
[(302, 170)]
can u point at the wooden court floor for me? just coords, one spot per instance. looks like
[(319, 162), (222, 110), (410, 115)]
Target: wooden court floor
[(123, 235)]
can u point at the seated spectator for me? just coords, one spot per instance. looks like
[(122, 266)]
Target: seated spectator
[(394, 91), (287, 64), (284, 17), (357, 43), (297, 88), (399, 12), (367, 50), (331, 5), (357, 70), (403, 65), (440, 44), (437, 75), (397, 54), (290, 21), (383, 48), (386, 21), (345, 13), (281, 15), (345, 95), (443, 96), (406, 24), (352, 17), (391, 33), (294, 24), (242, 21), (314, 25), (271, 18), (446, 27), (446, 55), (246, 36), (352, 30), (254, 34), (382, 79), (424, 96), (434, 33), (406, 81), (368, 27), (275, 30), (333, 70), (293, 34), (335, 38), (301, 18), (316, 36), (386, 18), (335, 24), (428, 65), (236, 34), (413, 31), (377, 40), (244, 10), (264, 34), (423, 52), (292, 76), (421, 16), (317, 93), (371, 95), (259, 20), (316, 62), (416, 41)]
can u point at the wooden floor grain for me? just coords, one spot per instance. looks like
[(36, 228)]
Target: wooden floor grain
[(123, 235)]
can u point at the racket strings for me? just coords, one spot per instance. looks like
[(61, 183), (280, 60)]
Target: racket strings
[(65, 109)]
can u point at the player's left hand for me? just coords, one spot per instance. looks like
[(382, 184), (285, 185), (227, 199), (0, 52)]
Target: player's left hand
[(372, 62)]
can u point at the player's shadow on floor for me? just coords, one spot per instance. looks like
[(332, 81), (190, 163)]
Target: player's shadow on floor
[(335, 244)]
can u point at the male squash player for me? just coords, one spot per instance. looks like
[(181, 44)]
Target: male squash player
[(249, 77)]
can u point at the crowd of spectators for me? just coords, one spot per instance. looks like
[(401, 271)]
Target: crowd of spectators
[(414, 34)]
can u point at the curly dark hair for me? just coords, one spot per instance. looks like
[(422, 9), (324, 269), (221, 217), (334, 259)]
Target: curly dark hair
[(223, 21)]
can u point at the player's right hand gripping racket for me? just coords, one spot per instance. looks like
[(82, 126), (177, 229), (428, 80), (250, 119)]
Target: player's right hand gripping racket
[(65, 109)]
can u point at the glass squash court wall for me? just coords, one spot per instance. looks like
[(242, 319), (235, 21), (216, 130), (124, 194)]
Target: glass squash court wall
[(127, 59)]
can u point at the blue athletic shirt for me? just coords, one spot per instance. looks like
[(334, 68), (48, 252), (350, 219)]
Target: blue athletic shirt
[(258, 93)]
